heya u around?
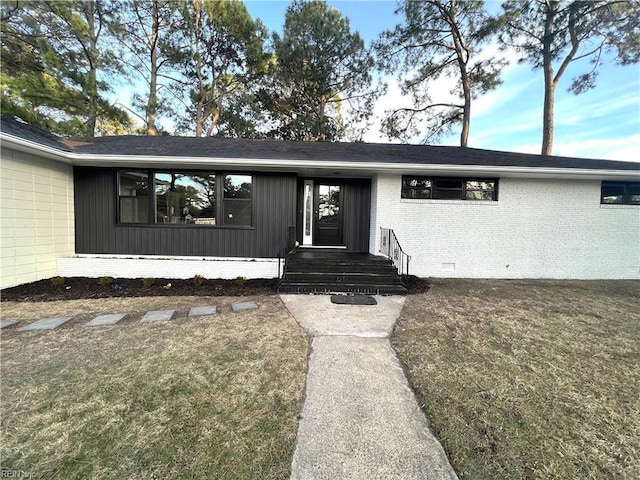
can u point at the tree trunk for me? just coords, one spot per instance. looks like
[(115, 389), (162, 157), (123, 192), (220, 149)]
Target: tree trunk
[(322, 134), (466, 110), (464, 75), (547, 115), (152, 102), (92, 80), (200, 101), (549, 81), (215, 105), (199, 113), (215, 117)]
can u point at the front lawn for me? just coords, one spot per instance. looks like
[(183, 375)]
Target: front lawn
[(210, 397), (528, 379)]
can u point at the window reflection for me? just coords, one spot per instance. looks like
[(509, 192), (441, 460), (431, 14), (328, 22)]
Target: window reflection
[(185, 198), (328, 203), (133, 196), (237, 204)]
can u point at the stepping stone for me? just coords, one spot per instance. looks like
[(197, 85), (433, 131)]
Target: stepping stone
[(157, 315), (206, 310), (46, 324), (108, 319), (242, 306), (353, 300), (7, 323)]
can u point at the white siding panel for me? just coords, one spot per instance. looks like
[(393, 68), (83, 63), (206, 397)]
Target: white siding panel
[(36, 201)]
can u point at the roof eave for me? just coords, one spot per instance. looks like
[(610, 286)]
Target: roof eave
[(298, 165), (28, 146), (356, 168)]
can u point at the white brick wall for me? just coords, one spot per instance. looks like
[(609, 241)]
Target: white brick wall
[(537, 229), (36, 216)]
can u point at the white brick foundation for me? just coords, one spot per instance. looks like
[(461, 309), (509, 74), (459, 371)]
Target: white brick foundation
[(136, 266)]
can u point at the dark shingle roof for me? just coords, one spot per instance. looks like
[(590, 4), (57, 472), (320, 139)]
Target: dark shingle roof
[(330, 152), (25, 131), (230, 148)]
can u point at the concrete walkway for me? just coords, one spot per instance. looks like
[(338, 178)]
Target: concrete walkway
[(360, 419)]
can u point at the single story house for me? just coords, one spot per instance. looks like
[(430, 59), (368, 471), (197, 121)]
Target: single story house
[(178, 206)]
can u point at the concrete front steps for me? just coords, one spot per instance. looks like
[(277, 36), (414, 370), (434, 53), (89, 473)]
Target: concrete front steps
[(335, 271)]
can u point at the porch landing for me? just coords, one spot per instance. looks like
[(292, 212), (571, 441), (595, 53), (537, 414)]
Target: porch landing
[(334, 271)]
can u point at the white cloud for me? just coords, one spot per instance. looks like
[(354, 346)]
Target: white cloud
[(571, 120), (485, 135), (598, 102), (393, 98), (620, 148)]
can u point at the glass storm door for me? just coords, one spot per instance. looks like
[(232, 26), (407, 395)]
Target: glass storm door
[(327, 224), (308, 213)]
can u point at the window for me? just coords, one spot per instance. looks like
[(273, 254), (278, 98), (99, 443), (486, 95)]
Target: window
[(441, 188), (185, 198), (237, 200), (448, 188), (621, 193), (480, 190), (133, 196), (416, 187)]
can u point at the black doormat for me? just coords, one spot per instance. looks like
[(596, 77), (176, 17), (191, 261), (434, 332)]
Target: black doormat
[(353, 300)]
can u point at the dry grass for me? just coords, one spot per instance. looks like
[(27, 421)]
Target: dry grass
[(529, 379), (207, 397)]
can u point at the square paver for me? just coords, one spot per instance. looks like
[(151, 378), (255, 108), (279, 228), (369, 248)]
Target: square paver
[(107, 319), (204, 310), (7, 323), (46, 323), (157, 315), (242, 306)]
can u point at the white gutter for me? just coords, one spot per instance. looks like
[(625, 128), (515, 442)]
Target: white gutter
[(34, 147), (303, 164)]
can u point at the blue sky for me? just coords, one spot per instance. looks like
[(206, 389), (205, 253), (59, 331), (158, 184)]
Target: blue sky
[(601, 123)]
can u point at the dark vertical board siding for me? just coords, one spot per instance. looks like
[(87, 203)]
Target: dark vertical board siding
[(79, 212), (97, 230), (92, 204), (357, 210)]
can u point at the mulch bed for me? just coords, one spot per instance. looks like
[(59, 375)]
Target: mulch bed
[(416, 285), (76, 288)]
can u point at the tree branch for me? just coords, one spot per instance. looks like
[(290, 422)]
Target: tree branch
[(425, 108), (575, 44)]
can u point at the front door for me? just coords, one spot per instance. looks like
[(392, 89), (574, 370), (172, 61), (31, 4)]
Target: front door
[(328, 214)]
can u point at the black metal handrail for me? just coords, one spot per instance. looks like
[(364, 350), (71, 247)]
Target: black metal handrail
[(287, 250), (390, 247)]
